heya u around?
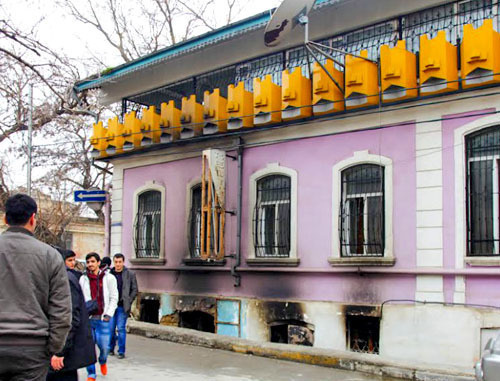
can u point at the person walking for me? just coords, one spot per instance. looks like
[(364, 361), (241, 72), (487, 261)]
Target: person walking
[(100, 288), (127, 292), (35, 313), (79, 350)]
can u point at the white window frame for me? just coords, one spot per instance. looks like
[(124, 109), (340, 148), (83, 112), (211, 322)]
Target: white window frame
[(150, 186), (358, 158), (273, 169), (460, 135)]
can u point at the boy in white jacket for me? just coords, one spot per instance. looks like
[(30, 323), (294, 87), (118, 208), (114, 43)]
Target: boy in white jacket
[(101, 288)]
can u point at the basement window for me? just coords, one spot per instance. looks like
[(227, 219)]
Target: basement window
[(150, 309), (292, 332), (363, 333), (198, 320)]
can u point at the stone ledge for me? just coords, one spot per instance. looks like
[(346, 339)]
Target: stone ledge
[(483, 261), (148, 261), (273, 261), (366, 363), (361, 261)]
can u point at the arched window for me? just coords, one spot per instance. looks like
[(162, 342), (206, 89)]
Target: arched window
[(147, 225), (272, 217), (483, 155), (362, 211)]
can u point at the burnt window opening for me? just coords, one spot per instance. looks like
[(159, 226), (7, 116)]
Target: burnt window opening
[(198, 320), (150, 309), (147, 225), (272, 217), (292, 332), (363, 333), (362, 211), (483, 155), (195, 222)]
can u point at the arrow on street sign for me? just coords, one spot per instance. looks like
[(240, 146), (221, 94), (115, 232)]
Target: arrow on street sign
[(90, 196)]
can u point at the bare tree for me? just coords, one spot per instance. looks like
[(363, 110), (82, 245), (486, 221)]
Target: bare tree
[(134, 29)]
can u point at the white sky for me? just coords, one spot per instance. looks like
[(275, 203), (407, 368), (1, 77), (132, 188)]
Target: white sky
[(62, 33)]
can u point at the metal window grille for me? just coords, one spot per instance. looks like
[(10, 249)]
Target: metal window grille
[(260, 67), (173, 91), (147, 226), (483, 156), (363, 333), (449, 17), (362, 211), (219, 79), (195, 222), (272, 217)]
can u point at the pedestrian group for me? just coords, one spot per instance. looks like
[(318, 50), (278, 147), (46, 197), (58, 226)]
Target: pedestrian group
[(52, 315)]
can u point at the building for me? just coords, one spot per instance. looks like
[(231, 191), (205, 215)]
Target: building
[(367, 222), (80, 234)]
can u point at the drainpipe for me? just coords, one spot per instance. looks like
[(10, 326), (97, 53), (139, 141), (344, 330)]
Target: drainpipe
[(107, 219), (237, 261)]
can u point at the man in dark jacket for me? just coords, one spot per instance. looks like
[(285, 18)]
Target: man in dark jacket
[(127, 292), (79, 350), (35, 313)]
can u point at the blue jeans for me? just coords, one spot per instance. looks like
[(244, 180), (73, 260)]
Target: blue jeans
[(119, 323), (101, 331)]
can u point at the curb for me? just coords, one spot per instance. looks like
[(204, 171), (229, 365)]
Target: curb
[(308, 355)]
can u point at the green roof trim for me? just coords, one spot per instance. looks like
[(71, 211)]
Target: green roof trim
[(195, 42)]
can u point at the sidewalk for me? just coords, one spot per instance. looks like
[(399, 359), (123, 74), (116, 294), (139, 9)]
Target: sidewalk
[(366, 363)]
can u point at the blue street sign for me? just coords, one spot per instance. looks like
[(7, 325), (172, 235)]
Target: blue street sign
[(90, 196)]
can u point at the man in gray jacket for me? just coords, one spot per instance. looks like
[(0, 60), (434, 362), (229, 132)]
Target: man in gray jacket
[(127, 290), (35, 300)]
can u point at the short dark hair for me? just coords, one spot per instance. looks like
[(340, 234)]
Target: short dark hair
[(93, 255), (119, 255), (65, 254), (106, 261), (19, 208)]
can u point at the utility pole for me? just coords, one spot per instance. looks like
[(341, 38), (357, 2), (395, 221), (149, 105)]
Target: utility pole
[(30, 136)]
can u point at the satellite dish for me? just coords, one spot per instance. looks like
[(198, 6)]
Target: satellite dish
[(285, 19)]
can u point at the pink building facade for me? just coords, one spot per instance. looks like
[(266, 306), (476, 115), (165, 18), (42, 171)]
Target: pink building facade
[(389, 244)]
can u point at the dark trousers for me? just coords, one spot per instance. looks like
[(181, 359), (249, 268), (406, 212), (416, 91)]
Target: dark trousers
[(63, 375), (23, 363)]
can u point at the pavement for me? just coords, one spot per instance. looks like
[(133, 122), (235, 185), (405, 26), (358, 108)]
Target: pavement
[(151, 359), (360, 365)]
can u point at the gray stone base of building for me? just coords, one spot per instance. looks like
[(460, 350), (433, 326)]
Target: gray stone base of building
[(371, 364)]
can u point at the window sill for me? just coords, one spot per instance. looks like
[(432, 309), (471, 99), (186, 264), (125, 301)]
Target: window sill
[(273, 261), (361, 261), (203, 262), (483, 261), (148, 261)]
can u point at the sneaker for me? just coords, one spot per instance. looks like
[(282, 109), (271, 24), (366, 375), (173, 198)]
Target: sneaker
[(121, 356), (104, 369), (111, 353), (90, 379)]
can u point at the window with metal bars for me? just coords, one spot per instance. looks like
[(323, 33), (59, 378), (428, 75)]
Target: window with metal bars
[(147, 226), (195, 222), (362, 211), (483, 155), (272, 217)]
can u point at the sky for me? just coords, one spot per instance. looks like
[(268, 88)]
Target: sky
[(62, 33)]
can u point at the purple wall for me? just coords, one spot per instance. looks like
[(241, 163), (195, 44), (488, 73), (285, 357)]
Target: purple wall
[(313, 160)]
